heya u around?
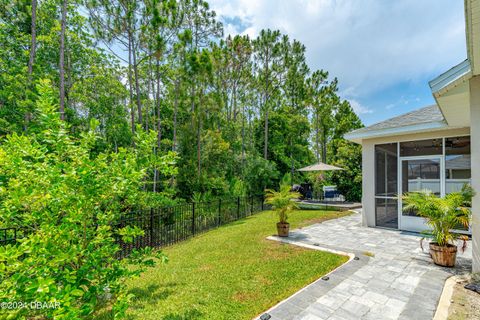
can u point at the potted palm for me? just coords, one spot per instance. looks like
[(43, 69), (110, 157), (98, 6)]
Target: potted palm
[(283, 204), (443, 215)]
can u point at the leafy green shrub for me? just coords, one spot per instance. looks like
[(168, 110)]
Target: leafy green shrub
[(238, 188), (286, 179), (69, 201), (148, 199), (348, 181), (441, 214), (259, 173)]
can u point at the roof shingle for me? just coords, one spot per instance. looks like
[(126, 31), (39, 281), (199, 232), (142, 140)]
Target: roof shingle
[(421, 116)]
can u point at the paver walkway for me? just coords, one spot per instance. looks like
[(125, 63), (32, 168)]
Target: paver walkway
[(392, 279)]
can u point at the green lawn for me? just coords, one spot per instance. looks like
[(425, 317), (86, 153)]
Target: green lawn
[(232, 272)]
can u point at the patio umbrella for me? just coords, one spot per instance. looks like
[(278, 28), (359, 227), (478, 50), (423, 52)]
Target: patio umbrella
[(320, 167)]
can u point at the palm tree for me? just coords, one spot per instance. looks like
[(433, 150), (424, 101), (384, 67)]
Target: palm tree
[(282, 202), (443, 215)]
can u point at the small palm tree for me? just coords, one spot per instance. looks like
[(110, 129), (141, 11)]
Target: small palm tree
[(441, 214), (282, 201)]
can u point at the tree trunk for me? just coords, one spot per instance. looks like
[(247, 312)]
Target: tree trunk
[(250, 130), (130, 80), (227, 106), (33, 47), (137, 86), (33, 44), (243, 137), (199, 146), (156, 95), (192, 107), (199, 129), (324, 146), (234, 103), (265, 146), (317, 133), (159, 119), (175, 110), (150, 89), (62, 59), (68, 76)]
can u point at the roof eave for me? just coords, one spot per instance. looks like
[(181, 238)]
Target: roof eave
[(416, 128), (458, 74)]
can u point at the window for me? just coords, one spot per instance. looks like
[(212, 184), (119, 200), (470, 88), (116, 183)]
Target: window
[(421, 148), (457, 163), (421, 174)]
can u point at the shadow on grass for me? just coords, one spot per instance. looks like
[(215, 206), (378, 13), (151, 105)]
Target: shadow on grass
[(188, 315), (192, 314), (151, 294), (235, 223)]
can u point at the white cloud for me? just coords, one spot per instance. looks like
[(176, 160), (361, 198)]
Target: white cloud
[(358, 107), (402, 101), (369, 45)]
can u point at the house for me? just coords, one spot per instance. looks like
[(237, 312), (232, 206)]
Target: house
[(436, 147)]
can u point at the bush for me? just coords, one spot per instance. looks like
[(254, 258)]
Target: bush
[(442, 214), (348, 181), (69, 201)]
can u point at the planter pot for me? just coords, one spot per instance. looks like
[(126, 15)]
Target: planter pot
[(443, 255), (282, 229)]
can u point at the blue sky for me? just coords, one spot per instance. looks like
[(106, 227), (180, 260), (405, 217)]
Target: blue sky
[(383, 52)]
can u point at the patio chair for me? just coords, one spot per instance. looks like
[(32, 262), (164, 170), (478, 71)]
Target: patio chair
[(330, 193)]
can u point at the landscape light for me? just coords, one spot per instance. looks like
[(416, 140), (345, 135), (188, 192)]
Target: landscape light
[(265, 316)]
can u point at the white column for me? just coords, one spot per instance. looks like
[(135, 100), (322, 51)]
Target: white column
[(475, 148), (368, 184)]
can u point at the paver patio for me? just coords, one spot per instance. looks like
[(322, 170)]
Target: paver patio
[(398, 282)]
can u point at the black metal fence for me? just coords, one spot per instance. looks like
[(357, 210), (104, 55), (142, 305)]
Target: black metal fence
[(168, 225), (9, 235)]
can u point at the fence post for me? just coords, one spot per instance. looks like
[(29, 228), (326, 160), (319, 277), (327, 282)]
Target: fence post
[(261, 199), (219, 211), (238, 208), (193, 218), (251, 204), (151, 227)]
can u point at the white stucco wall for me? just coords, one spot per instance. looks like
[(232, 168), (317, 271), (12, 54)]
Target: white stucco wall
[(368, 183), (368, 163), (475, 146)]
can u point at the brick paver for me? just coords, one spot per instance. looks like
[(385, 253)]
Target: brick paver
[(390, 279)]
